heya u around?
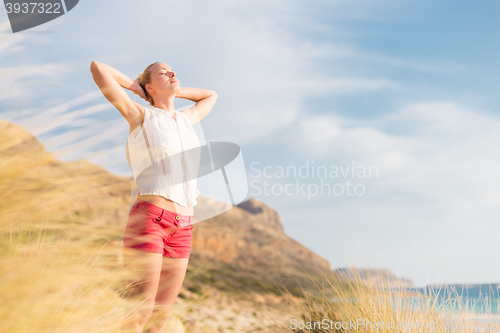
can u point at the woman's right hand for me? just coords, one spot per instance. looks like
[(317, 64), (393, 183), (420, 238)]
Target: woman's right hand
[(137, 89)]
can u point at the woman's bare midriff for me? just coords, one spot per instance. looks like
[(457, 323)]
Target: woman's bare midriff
[(166, 204)]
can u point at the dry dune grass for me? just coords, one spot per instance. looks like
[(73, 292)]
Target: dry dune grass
[(49, 284), (372, 304), (56, 274)]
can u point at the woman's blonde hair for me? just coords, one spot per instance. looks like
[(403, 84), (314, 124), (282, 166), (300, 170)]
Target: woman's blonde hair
[(144, 79)]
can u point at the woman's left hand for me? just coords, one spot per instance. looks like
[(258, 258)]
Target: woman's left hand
[(137, 89)]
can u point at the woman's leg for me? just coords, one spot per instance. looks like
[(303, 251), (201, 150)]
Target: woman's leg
[(171, 279), (143, 271)]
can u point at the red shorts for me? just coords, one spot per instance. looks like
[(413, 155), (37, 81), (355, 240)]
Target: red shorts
[(153, 229)]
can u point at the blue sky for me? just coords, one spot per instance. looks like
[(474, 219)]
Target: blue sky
[(407, 87)]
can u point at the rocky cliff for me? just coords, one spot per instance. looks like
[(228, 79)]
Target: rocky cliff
[(244, 248)]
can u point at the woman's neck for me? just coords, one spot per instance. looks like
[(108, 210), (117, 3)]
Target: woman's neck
[(167, 104)]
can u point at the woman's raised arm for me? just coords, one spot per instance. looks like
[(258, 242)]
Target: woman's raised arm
[(110, 81), (204, 98)]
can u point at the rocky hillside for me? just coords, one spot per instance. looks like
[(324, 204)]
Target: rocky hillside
[(244, 248), (248, 240)]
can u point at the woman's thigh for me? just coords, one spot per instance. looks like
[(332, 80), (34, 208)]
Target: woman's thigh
[(143, 270), (173, 272)]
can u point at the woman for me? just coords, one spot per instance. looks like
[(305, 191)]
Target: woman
[(158, 233)]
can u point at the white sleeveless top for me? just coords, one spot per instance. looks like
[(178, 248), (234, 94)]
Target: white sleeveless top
[(156, 154)]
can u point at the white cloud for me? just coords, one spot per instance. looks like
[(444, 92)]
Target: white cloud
[(437, 192), (11, 43), (266, 78), (261, 70), (73, 118), (37, 123), (446, 152)]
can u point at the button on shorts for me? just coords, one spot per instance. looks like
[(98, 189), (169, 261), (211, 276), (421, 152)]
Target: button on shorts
[(153, 229)]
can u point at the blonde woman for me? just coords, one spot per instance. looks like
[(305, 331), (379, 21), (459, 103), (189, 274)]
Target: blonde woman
[(158, 234)]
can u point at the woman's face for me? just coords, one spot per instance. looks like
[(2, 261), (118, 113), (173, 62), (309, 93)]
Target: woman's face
[(163, 80)]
